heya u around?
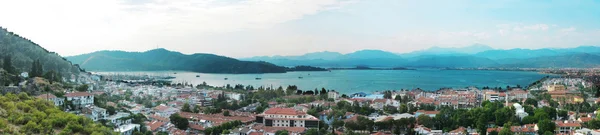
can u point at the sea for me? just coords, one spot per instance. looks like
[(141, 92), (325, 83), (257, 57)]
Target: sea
[(351, 81)]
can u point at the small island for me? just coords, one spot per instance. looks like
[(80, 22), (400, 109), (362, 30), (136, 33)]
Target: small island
[(370, 68), (306, 68)]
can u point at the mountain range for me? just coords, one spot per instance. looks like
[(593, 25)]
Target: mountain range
[(473, 56), (162, 59)]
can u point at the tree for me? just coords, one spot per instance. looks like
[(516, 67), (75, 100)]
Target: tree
[(403, 108), (282, 132), (529, 120), (179, 122), (425, 121), (493, 132), (564, 114), (82, 88), (8, 65), (111, 110), (546, 126), (323, 91), (506, 130), (226, 113), (531, 101), (186, 108)]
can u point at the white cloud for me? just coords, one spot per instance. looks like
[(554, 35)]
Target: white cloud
[(536, 27), (570, 29), (63, 25)]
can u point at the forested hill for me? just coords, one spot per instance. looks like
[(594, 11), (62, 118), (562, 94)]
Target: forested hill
[(23, 52), (162, 59)]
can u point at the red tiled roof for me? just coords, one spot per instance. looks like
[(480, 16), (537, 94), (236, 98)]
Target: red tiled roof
[(156, 117), (154, 125), (585, 119), (256, 133), (381, 133), (78, 94), (459, 130), (196, 127), (161, 108), (46, 96), (284, 111), (428, 112), (562, 124)]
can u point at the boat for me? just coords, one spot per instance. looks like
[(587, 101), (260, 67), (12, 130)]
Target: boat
[(197, 75), (175, 73), (258, 78), (300, 77), (226, 78)]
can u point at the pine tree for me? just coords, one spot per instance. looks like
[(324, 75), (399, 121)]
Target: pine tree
[(7, 65)]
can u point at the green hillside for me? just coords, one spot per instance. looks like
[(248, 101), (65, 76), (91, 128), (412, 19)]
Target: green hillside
[(162, 59)]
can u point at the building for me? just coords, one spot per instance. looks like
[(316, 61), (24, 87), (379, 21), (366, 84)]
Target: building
[(586, 131), (333, 94), (494, 96), (80, 98), (156, 126), (164, 111), (50, 97), (95, 113), (127, 129), (517, 94), (428, 113), (556, 87), (520, 111), (567, 127), (287, 117), (118, 120)]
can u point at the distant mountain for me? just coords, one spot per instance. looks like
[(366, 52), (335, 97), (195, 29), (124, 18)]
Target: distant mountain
[(373, 58), (453, 51), (575, 60), (472, 56), (162, 59), (23, 52), (453, 61)]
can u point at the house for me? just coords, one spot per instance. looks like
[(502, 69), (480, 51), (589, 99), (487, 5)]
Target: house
[(586, 131), (333, 94), (118, 119), (50, 97), (164, 111), (80, 98), (127, 129), (527, 129), (567, 127), (286, 117), (428, 113), (517, 94), (156, 126), (458, 131), (494, 96), (241, 131), (379, 104), (95, 113), (233, 96)]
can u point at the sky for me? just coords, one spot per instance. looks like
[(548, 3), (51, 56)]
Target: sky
[(245, 28)]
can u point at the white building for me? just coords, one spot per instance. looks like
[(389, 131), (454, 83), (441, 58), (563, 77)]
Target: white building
[(80, 98), (287, 117), (520, 111), (127, 129), (233, 96), (50, 97), (333, 94), (118, 120), (95, 113)]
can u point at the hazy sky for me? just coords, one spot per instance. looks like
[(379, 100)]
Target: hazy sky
[(243, 28)]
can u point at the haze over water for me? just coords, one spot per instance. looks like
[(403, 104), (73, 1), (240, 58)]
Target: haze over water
[(350, 81)]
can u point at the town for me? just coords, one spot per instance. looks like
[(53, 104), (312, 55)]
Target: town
[(553, 105)]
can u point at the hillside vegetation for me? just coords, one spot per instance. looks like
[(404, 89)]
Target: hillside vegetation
[(19, 53), (22, 114)]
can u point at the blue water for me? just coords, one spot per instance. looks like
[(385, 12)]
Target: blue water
[(349, 81)]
